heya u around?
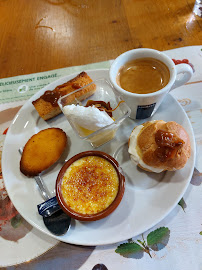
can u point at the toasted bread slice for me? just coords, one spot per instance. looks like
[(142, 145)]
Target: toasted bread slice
[(47, 106), (42, 150)]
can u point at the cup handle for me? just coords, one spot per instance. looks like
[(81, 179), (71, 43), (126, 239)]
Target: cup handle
[(187, 72)]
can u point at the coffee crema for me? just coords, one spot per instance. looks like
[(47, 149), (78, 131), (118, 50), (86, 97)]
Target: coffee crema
[(143, 76)]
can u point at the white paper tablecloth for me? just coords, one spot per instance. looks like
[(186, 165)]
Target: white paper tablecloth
[(184, 248)]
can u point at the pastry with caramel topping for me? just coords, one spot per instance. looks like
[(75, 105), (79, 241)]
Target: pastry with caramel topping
[(158, 146), (47, 105), (42, 150)]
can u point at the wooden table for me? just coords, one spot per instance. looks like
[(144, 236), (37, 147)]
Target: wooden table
[(41, 35)]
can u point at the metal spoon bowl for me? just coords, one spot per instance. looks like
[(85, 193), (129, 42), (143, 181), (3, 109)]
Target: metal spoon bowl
[(58, 223)]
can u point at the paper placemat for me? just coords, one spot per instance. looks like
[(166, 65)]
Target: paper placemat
[(24, 86), (184, 246)]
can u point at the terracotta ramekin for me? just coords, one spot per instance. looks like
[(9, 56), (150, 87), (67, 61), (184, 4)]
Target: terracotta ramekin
[(110, 208)]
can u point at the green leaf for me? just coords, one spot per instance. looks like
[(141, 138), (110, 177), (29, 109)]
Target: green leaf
[(158, 236), (200, 233), (128, 248), (16, 221), (140, 242), (182, 204)]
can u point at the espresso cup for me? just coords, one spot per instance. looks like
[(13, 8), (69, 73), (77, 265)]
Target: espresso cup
[(145, 105)]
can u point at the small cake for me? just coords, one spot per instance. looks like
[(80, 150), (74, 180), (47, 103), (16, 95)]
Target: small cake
[(47, 105), (42, 150), (158, 146)]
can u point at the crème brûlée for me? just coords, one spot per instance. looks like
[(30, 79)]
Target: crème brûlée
[(158, 146), (90, 185)]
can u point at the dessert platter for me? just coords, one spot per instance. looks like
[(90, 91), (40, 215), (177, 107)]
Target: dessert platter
[(148, 196)]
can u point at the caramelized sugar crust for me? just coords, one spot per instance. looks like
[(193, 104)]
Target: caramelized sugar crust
[(90, 185)]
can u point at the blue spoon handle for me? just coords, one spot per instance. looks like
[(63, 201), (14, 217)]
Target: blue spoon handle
[(48, 207)]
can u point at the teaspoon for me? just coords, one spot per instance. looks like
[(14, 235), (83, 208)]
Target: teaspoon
[(43, 189), (55, 220)]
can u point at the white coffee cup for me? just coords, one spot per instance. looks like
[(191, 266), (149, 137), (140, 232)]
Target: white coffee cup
[(145, 105)]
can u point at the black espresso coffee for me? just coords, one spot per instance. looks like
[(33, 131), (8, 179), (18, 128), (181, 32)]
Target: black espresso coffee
[(143, 76)]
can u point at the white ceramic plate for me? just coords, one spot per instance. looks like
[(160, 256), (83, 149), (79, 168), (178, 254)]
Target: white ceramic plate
[(148, 197)]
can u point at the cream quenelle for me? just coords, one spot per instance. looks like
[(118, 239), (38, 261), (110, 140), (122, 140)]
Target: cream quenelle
[(90, 118)]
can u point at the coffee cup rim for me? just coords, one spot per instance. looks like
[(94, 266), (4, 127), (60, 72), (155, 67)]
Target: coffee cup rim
[(169, 63)]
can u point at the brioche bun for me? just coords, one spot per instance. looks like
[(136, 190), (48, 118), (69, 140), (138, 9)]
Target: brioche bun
[(158, 146)]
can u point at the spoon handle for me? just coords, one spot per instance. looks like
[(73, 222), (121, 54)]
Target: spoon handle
[(44, 192), (48, 207), (43, 189)]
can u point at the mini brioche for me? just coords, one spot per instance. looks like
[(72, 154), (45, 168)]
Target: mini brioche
[(42, 150), (47, 106), (161, 146)]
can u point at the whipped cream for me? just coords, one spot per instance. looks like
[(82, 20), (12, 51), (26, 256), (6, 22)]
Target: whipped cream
[(90, 118), (134, 153)]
